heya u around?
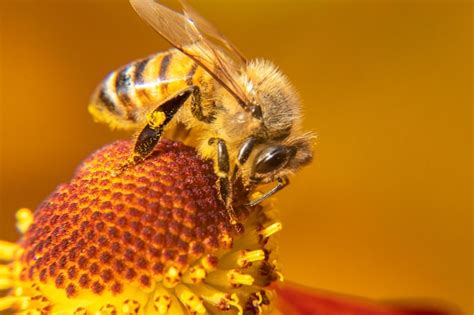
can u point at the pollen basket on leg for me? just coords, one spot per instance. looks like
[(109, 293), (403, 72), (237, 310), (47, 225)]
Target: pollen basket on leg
[(155, 239)]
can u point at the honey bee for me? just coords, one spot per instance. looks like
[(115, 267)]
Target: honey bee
[(245, 112)]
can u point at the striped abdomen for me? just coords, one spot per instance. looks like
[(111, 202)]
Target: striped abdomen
[(124, 98)]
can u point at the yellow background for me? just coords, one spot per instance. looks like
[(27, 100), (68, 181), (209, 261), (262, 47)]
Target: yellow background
[(384, 211)]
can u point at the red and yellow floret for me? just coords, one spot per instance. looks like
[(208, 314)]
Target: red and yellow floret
[(154, 239)]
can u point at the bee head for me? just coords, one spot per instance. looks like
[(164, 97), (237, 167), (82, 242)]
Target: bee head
[(275, 101), (282, 149)]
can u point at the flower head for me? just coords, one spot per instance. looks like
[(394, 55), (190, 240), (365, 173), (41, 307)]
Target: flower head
[(154, 239)]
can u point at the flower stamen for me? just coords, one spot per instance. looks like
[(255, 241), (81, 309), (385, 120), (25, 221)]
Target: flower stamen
[(195, 275), (172, 278), (236, 278), (9, 301), (190, 300), (162, 303), (247, 257), (24, 218), (8, 250), (270, 230)]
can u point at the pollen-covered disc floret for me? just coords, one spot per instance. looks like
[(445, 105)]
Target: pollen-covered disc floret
[(154, 239)]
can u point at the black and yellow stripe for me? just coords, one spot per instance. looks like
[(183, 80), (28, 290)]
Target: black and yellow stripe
[(164, 64), (138, 77), (190, 74), (143, 85)]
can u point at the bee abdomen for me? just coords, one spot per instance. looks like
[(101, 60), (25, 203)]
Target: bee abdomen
[(107, 101), (115, 101), (132, 91), (124, 89), (138, 77)]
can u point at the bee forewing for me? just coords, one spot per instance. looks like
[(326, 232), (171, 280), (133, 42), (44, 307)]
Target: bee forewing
[(209, 29), (174, 27), (184, 32)]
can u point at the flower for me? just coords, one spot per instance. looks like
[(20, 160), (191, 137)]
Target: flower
[(154, 239), (298, 300)]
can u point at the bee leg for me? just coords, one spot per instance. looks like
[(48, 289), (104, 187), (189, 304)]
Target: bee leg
[(282, 183), (151, 133), (244, 152), (196, 107), (181, 132), (223, 183), (158, 119)]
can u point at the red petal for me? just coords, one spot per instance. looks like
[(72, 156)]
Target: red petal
[(298, 300)]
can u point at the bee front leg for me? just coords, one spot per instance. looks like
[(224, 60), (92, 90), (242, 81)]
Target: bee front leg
[(282, 182), (223, 183), (157, 121), (244, 152)]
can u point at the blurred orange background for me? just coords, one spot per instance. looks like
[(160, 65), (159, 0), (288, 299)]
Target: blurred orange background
[(385, 211)]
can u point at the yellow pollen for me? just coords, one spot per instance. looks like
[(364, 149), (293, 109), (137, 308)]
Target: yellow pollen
[(271, 229), (156, 119)]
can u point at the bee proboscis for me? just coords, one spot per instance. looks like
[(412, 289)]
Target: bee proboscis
[(246, 113)]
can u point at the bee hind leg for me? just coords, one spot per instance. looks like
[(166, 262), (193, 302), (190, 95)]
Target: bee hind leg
[(151, 133), (223, 183)]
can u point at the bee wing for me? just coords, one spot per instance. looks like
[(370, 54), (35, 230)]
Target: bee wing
[(184, 32), (209, 29)]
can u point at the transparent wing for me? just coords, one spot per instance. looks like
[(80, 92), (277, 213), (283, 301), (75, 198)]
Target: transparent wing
[(209, 29), (183, 32)]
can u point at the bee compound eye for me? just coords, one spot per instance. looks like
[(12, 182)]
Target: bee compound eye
[(273, 158)]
